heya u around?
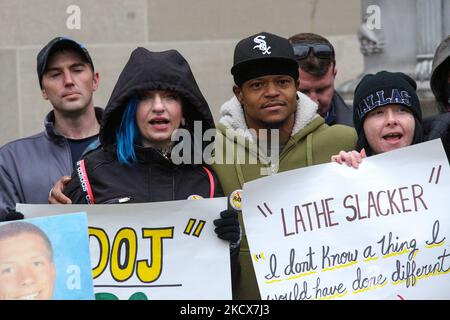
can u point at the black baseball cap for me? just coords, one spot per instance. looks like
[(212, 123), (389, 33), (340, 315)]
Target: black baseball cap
[(263, 54), (59, 42)]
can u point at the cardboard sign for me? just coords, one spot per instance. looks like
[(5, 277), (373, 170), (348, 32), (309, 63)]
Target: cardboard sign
[(160, 250), (381, 231)]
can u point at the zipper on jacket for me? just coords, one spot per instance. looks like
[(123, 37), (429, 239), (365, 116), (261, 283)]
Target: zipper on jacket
[(118, 200)]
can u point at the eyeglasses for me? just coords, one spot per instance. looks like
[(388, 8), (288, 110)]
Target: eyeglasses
[(320, 50)]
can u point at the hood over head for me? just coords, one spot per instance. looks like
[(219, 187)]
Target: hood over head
[(439, 74), (146, 70)]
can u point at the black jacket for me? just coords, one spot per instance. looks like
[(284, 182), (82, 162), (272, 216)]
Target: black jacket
[(154, 177), (438, 127), (439, 74), (340, 112)]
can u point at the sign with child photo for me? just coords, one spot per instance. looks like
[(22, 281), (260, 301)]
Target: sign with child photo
[(381, 231), (153, 251), (46, 259)]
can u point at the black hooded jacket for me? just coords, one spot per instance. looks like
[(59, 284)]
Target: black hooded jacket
[(438, 126), (155, 177)]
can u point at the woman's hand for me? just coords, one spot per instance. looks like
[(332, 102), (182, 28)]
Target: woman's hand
[(351, 158)]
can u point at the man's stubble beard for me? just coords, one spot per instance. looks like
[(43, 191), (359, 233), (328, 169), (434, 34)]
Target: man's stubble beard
[(73, 111)]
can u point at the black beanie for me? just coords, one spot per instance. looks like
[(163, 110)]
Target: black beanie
[(263, 54), (383, 88)]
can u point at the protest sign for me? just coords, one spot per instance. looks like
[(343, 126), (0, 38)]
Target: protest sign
[(160, 250), (330, 231), (46, 258)]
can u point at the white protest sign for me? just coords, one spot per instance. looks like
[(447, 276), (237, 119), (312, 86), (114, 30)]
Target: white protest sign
[(161, 250), (330, 231)]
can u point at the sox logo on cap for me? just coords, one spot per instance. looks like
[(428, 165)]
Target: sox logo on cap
[(261, 44)]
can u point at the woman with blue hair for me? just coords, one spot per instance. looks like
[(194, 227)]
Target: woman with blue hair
[(155, 95)]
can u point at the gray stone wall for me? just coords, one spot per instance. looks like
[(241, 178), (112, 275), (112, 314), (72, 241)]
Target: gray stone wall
[(204, 31)]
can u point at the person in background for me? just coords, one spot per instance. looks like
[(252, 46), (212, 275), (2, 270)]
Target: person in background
[(317, 69), (438, 126), (30, 166)]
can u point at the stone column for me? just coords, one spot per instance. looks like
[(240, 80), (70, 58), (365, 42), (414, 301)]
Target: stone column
[(429, 35), (404, 40)]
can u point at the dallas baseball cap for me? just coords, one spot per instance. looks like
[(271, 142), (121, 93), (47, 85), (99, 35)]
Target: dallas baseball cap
[(263, 54), (59, 42)]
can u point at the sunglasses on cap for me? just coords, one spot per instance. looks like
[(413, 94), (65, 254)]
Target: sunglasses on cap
[(320, 50)]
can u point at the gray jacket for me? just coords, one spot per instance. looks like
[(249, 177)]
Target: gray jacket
[(29, 167)]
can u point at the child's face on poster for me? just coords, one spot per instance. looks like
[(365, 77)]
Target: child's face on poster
[(27, 271)]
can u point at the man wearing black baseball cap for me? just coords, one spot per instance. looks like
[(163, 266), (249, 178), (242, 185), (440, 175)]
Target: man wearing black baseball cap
[(30, 166), (266, 100), (59, 44)]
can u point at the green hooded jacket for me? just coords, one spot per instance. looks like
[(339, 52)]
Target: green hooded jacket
[(311, 142)]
